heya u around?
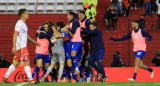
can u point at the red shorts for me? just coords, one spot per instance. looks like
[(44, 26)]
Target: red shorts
[(22, 55)]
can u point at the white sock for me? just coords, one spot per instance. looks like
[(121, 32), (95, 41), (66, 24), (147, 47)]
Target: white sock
[(49, 69), (10, 70), (60, 71), (28, 72)]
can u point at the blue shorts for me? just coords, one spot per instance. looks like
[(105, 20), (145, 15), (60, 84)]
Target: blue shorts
[(67, 49), (76, 46), (46, 58), (139, 54)]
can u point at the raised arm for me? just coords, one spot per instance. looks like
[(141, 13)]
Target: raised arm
[(56, 33), (127, 36), (68, 31), (44, 35), (95, 31)]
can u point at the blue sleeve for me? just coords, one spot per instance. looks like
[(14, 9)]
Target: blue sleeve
[(64, 34), (39, 29), (127, 36), (95, 31), (43, 35), (75, 25), (145, 34)]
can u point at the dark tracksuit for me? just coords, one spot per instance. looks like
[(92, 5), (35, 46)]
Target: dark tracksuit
[(109, 16), (97, 50), (86, 40)]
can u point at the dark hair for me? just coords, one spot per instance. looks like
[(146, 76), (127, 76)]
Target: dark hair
[(45, 23), (50, 22), (136, 21), (82, 12), (21, 11), (158, 52), (118, 53), (60, 23), (93, 23), (72, 13)]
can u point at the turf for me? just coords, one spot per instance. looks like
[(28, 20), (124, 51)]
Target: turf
[(87, 84)]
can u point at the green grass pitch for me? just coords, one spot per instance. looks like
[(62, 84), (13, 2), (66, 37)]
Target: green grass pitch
[(83, 84)]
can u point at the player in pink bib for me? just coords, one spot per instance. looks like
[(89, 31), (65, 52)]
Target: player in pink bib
[(138, 37), (75, 33)]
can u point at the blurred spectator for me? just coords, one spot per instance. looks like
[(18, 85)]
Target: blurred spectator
[(91, 13), (142, 22), (158, 4), (4, 62), (126, 7), (153, 6), (156, 60), (116, 3), (93, 2), (88, 3), (116, 60), (133, 4), (110, 16), (148, 7), (1, 55), (140, 4)]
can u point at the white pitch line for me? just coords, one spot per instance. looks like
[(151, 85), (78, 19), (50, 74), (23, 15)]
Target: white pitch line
[(22, 84), (156, 83)]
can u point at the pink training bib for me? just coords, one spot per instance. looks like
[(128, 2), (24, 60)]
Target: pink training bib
[(138, 41), (77, 35), (44, 46), (82, 24)]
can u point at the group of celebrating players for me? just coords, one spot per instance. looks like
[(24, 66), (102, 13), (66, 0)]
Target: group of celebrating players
[(68, 53), (67, 43), (59, 49)]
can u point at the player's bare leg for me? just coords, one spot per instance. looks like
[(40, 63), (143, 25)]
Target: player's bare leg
[(69, 62), (137, 60), (39, 63), (141, 65)]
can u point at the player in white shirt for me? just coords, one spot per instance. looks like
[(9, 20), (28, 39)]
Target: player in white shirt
[(20, 50)]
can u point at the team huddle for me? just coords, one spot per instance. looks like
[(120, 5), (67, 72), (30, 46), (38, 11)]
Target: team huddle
[(67, 53), (67, 42)]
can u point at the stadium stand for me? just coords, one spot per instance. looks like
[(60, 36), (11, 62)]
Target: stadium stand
[(55, 10)]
